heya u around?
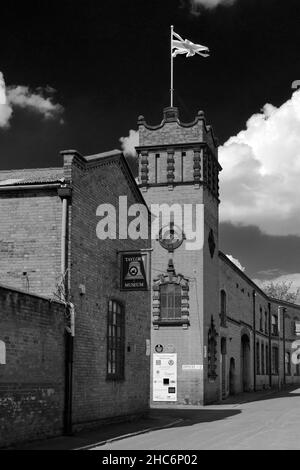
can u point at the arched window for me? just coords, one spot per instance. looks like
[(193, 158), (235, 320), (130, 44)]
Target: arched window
[(223, 308), (170, 301)]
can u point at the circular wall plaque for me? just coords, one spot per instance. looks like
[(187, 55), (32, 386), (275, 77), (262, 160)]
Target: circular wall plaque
[(159, 348), (171, 237)]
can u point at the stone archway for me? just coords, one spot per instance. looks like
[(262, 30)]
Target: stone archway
[(245, 363)]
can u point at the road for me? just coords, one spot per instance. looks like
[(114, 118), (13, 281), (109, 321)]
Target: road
[(271, 423)]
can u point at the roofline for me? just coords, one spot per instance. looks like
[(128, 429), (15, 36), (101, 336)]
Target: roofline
[(255, 286), (101, 160), (31, 185)]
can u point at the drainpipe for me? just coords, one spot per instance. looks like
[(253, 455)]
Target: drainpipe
[(270, 345), (254, 341), (65, 192)]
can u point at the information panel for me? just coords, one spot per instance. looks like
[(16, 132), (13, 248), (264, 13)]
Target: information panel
[(165, 377)]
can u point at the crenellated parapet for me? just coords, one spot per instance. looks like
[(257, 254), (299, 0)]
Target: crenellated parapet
[(175, 152)]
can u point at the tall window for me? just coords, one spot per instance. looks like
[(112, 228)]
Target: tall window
[(288, 363), (170, 301), (257, 359), (260, 319), (156, 167), (115, 341), (266, 322), (223, 307), (274, 325), (293, 327), (183, 154), (262, 359), (275, 360), (267, 360)]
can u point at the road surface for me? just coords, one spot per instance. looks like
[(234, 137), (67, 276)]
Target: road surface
[(271, 423)]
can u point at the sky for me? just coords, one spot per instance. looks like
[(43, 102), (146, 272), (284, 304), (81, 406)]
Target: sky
[(78, 74)]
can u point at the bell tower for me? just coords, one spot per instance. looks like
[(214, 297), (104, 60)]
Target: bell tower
[(178, 165)]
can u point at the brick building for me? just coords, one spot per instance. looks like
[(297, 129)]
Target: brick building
[(213, 331), (32, 367), (49, 247)]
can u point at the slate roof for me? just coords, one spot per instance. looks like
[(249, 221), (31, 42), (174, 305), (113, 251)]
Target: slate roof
[(31, 176)]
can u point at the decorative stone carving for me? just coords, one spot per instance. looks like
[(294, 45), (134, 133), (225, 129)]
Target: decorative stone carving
[(212, 351), (144, 168), (197, 166), (170, 167)]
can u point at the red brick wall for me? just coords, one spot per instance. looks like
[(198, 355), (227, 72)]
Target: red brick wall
[(32, 380), (30, 227), (94, 264)]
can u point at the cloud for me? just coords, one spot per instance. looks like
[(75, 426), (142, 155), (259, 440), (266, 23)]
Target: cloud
[(5, 109), (236, 262), (261, 171), (210, 4), (39, 101), (129, 143)]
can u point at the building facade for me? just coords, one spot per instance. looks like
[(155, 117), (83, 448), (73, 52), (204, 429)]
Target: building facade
[(212, 328), (50, 247)]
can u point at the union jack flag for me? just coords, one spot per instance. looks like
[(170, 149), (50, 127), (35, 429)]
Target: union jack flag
[(184, 46)]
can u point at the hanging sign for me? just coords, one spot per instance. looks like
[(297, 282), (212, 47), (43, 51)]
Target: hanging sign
[(165, 377), (134, 271)]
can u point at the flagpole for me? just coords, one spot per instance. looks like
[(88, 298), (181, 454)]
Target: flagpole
[(172, 79)]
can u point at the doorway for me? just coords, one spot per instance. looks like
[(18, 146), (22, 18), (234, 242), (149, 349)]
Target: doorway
[(245, 363)]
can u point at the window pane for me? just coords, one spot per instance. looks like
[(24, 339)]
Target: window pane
[(115, 340)]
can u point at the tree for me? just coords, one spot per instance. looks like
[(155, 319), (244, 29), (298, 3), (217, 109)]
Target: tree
[(281, 291)]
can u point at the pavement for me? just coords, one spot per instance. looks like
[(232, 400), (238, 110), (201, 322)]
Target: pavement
[(236, 423)]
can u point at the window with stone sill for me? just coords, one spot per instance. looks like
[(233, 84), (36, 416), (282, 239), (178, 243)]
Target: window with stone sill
[(170, 299)]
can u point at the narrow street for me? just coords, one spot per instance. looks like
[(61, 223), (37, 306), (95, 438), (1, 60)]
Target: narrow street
[(270, 423)]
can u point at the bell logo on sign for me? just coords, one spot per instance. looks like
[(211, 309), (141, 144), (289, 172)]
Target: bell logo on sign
[(134, 271)]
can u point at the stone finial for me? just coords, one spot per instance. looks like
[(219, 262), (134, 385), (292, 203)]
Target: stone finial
[(141, 120), (171, 114)]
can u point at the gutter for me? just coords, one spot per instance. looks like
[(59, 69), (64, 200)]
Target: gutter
[(29, 186)]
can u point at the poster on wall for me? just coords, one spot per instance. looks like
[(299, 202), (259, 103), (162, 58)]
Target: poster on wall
[(165, 377)]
